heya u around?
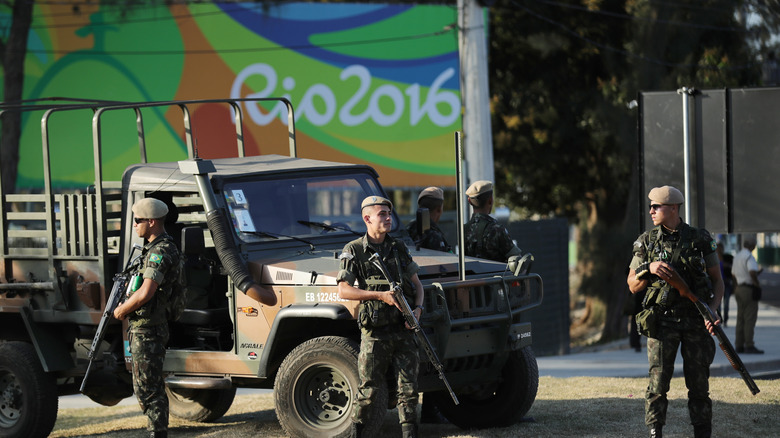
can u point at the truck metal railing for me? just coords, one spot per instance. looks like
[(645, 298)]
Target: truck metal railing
[(78, 225)]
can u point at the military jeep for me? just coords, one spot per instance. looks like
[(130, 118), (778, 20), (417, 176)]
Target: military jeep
[(278, 221)]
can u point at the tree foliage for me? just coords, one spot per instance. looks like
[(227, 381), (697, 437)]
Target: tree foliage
[(563, 74)]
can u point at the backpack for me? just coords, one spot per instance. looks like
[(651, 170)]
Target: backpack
[(177, 300)]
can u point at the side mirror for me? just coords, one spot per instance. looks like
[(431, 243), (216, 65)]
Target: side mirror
[(520, 265)]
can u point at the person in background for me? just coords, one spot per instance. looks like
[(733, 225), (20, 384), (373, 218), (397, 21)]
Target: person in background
[(747, 293), (726, 262)]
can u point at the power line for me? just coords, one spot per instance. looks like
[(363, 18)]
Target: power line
[(443, 31)]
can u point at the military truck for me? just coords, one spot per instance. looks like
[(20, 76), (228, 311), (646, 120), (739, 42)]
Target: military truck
[(277, 221)]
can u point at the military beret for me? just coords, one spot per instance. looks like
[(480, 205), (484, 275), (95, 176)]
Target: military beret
[(478, 188), (375, 200), (432, 192), (666, 195), (150, 208)]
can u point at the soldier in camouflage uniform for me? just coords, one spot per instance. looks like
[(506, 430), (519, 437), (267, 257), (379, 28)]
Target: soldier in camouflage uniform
[(484, 236), (672, 261), (431, 198), (385, 339), (146, 309)]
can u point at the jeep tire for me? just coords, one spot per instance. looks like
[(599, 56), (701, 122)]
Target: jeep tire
[(316, 387), (201, 405), (28, 395), (499, 404)]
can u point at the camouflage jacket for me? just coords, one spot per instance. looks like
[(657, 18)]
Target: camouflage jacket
[(690, 251), (354, 266), (433, 238), (487, 239), (160, 263)]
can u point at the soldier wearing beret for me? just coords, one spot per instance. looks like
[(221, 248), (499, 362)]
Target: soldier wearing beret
[(484, 236), (145, 309), (431, 198), (672, 261), (385, 339)]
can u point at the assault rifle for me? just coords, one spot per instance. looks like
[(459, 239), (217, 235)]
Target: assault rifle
[(413, 323), (678, 283), (121, 285)]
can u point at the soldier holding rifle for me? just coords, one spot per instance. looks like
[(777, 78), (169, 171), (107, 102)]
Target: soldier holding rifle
[(146, 310), (385, 338), (677, 264)]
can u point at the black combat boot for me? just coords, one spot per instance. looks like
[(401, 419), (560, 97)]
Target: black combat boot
[(160, 434), (656, 431), (359, 430), (409, 430), (702, 431)]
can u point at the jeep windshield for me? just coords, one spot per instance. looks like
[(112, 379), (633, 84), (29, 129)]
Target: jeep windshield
[(270, 209)]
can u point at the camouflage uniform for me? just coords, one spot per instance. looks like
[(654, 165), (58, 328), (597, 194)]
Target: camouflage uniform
[(433, 238), (384, 341), (690, 251), (149, 331), (487, 239)]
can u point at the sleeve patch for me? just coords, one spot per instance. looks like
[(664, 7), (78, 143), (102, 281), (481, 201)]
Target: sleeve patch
[(155, 258), (713, 245), (346, 256)]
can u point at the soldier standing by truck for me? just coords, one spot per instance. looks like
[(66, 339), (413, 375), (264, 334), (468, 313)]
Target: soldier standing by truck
[(146, 309), (384, 340), (673, 252), (484, 236)]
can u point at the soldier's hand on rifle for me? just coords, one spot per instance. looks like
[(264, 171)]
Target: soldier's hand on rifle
[(417, 313), (388, 298), (662, 270), (711, 325)]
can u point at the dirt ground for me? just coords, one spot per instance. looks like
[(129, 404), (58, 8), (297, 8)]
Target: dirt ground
[(571, 407)]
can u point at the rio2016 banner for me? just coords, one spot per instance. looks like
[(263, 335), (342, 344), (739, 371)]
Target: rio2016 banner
[(370, 83)]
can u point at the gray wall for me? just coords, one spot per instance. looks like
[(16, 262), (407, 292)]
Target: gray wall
[(735, 149)]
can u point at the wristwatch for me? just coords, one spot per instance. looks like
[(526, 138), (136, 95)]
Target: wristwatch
[(421, 308)]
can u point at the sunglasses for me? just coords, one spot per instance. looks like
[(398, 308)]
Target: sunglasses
[(656, 206), (138, 220)]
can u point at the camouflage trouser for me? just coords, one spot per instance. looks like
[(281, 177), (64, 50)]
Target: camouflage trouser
[(698, 351), (379, 352), (147, 347)]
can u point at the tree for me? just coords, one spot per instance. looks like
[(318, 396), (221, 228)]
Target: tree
[(13, 49), (562, 76)]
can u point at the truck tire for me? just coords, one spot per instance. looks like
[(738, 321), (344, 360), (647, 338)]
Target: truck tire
[(316, 386), (28, 395), (499, 404), (201, 405)]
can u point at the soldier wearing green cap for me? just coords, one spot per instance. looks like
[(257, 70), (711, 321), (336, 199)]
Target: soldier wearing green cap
[(484, 237), (146, 308), (671, 261), (385, 339)]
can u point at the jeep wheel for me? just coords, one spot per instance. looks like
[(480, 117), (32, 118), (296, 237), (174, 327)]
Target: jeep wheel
[(28, 395), (316, 386), (201, 405), (500, 404)]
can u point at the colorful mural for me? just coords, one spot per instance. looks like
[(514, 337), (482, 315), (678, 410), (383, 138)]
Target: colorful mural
[(370, 83)]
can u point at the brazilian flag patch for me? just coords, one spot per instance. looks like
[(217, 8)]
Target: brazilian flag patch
[(713, 245), (155, 258)]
